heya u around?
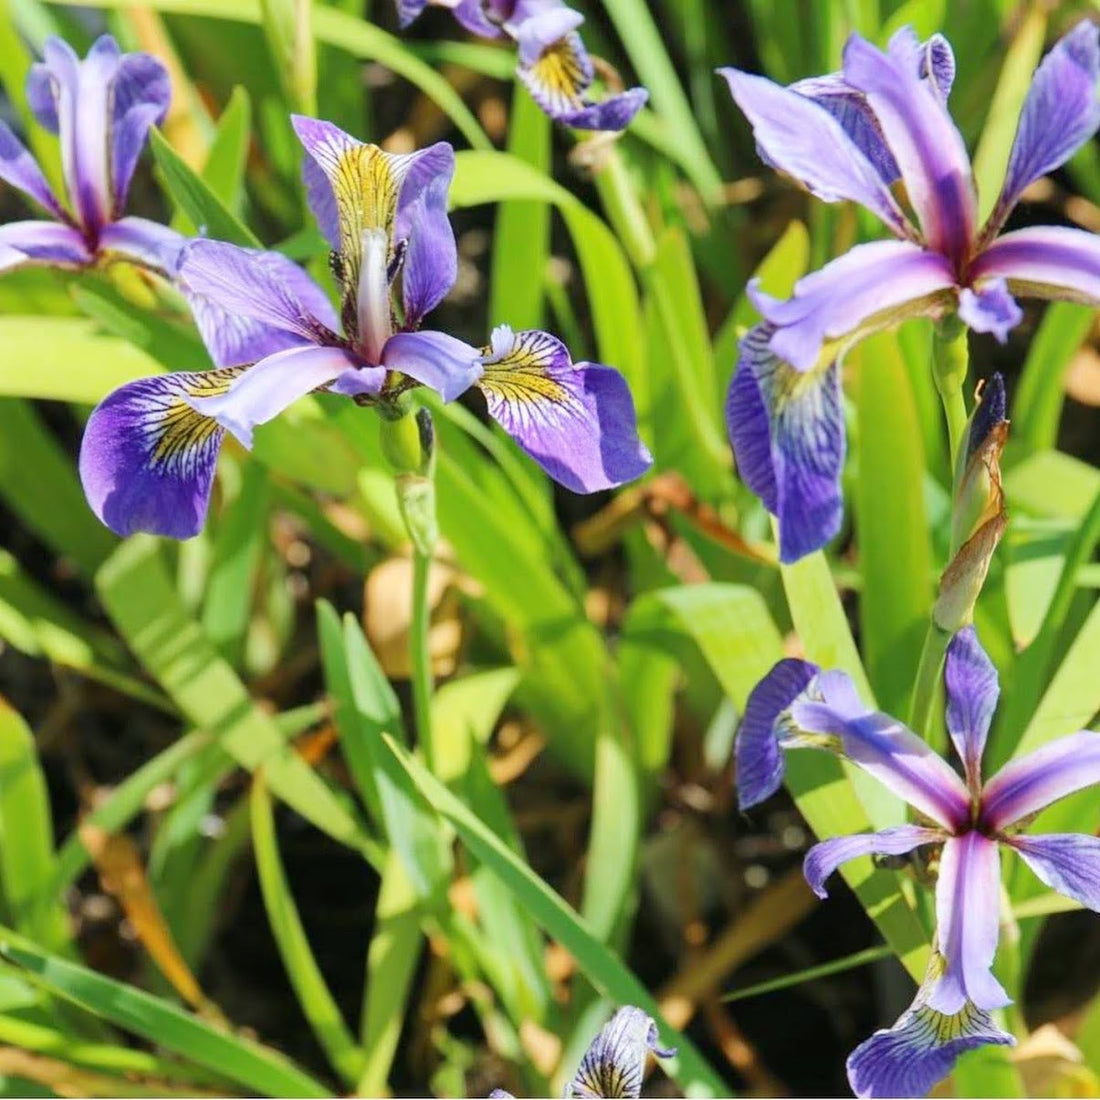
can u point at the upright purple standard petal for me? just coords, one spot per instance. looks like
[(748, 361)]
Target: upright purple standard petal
[(20, 169), (139, 96), (249, 304), (1066, 862), (990, 308), (147, 459), (614, 1065), (272, 385), (803, 139), (1060, 114), (1031, 783), (871, 286), (1045, 261), (919, 1050), (787, 432), (925, 142), (972, 693), (824, 858), (445, 364), (758, 757), (968, 903), (576, 421), (41, 242)]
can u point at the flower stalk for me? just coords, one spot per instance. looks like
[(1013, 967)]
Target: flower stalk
[(950, 363)]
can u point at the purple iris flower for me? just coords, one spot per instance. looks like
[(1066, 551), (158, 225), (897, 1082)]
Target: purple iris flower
[(967, 821), (614, 1064), (851, 135), (149, 451), (101, 108), (553, 63)]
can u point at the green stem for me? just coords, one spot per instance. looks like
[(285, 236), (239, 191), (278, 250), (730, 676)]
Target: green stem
[(950, 362), (929, 675), (421, 657)]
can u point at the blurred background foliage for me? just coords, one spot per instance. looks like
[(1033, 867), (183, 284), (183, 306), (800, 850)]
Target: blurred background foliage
[(221, 872)]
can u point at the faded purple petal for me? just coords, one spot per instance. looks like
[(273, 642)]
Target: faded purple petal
[(824, 858), (925, 142), (798, 136), (1060, 114), (577, 421), (362, 382), (972, 692), (445, 364), (139, 96), (787, 433), (1031, 783), (147, 459), (613, 113), (1066, 862), (472, 15), (248, 303), (919, 1050), (19, 168), (990, 309), (272, 385), (1046, 261), (968, 906), (871, 286), (758, 757), (614, 1064), (885, 748), (42, 243), (147, 242)]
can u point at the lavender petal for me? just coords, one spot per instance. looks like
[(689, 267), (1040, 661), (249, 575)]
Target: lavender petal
[(972, 693), (19, 169), (1044, 262), (991, 308), (145, 242), (614, 1064), (139, 96), (1066, 862), (41, 243), (443, 363), (824, 858)]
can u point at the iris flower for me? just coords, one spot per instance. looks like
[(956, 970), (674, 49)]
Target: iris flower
[(614, 1064), (101, 108), (553, 63), (966, 820), (851, 135), (150, 448)]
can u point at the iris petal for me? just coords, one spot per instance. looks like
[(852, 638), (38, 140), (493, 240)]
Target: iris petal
[(1066, 862), (19, 169), (43, 243), (1045, 261), (990, 308), (147, 459), (614, 1065), (576, 421), (972, 692), (824, 858)]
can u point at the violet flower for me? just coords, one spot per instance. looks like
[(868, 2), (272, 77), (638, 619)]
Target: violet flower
[(851, 135), (967, 820), (101, 108), (553, 63), (614, 1064), (149, 451)]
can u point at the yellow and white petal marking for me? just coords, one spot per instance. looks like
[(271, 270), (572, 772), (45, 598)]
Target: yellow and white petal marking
[(175, 432), (519, 370), (560, 76)]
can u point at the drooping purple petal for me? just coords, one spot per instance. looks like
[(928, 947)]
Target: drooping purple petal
[(788, 437), (990, 308), (927, 146), (1066, 862), (19, 168), (757, 754), (272, 385), (1031, 783), (249, 304), (824, 858), (871, 286), (883, 747), (919, 1050), (1060, 114), (42, 243), (803, 139), (445, 364), (614, 1064), (1045, 261), (972, 693), (144, 241), (147, 459), (613, 113), (577, 421), (968, 904), (139, 96)]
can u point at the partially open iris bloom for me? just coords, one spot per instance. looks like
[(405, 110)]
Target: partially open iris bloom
[(850, 136), (150, 448), (101, 108), (553, 63), (966, 820), (614, 1064)]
